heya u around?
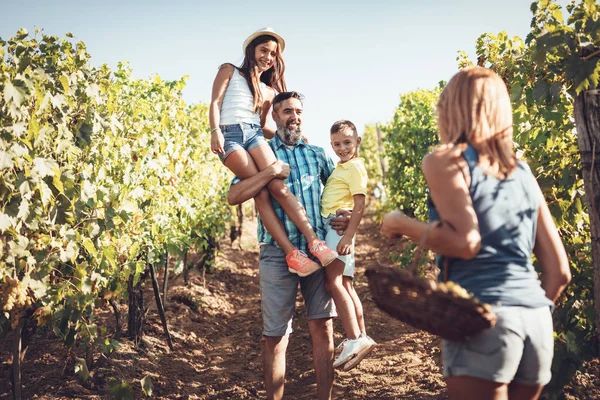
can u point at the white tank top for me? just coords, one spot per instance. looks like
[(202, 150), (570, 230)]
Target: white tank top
[(238, 102)]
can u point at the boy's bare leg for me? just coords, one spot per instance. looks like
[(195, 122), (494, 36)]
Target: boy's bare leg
[(349, 286), (343, 302)]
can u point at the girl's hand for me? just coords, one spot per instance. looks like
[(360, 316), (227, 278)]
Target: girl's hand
[(344, 246), (391, 226), (217, 140)]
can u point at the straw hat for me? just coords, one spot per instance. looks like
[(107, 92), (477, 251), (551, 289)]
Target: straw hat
[(265, 31)]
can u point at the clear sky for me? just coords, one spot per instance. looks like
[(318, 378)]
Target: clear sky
[(351, 59)]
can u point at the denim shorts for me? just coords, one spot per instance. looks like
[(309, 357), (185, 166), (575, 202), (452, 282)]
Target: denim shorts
[(241, 136), (278, 289), (519, 348), (332, 239)]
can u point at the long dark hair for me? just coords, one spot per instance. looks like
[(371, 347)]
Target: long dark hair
[(273, 77)]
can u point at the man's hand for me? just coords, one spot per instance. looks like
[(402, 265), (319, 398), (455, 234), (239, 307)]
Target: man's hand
[(341, 221), (280, 169), (392, 224), (344, 246)]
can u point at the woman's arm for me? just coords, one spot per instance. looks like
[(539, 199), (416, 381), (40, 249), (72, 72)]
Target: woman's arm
[(458, 235), (551, 254), (266, 122), (214, 111)]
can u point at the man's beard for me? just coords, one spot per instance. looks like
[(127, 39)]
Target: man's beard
[(291, 137)]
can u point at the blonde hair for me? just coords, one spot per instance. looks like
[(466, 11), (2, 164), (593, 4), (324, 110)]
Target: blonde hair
[(475, 108)]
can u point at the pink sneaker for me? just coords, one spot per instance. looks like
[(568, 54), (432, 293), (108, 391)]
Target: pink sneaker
[(323, 253), (299, 263)]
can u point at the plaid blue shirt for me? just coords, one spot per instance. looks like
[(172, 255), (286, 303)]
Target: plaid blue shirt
[(310, 168)]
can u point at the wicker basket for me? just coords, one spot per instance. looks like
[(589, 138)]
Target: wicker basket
[(424, 304)]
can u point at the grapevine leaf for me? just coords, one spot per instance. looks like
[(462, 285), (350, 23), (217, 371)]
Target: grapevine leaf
[(6, 222), (146, 383), (86, 285), (541, 91), (14, 92), (120, 390), (43, 167), (64, 81), (81, 369), (515, 93), (89, 246), (572, 345), (21, 34)]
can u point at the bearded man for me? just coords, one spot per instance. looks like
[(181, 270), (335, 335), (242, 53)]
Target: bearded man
[(307, 169)]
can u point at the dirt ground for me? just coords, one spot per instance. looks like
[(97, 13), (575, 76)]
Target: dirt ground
[(216, 328)]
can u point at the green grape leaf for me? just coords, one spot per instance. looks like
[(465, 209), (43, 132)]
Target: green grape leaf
[(120, 389), (146, 383), (81, 368), (14, 92)]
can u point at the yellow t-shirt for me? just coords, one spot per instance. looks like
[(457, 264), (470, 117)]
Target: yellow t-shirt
[(348, 179)]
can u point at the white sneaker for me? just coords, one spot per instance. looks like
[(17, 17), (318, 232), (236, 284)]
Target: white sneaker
[(354, 350), (363, 334)]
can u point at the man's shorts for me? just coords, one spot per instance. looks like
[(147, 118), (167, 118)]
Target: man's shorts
[(332, 239), (242, 136), (519, 348), (278, 288)]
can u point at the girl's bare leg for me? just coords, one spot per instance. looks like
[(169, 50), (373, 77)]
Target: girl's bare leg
[(263, 157), (243, 166)]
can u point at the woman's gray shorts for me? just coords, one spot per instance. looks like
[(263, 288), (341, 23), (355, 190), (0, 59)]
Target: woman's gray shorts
[(519, 348)]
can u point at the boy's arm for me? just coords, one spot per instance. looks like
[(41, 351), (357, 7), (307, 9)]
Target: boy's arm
[(345, 245), (250, 187)]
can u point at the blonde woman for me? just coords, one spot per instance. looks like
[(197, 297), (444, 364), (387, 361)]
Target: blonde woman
[(493, 218)]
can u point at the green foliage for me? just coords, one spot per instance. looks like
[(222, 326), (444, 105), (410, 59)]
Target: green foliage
[(81, 369), (369, 150), (567, 53), (146, 383), (100, 173), (120, 390), (410, 135)]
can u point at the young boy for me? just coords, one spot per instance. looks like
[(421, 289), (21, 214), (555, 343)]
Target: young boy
[(346, 189)]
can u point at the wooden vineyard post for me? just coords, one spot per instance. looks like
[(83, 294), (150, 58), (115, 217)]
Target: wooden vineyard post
[(587, 121), (166, 278), (160, 307)]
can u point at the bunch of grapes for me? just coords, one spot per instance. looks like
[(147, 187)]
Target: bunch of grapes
[(14, 299)]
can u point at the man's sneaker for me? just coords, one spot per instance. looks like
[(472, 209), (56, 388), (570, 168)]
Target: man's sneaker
[(361, 350), (354, 350), (299, 263), (323, 253)]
